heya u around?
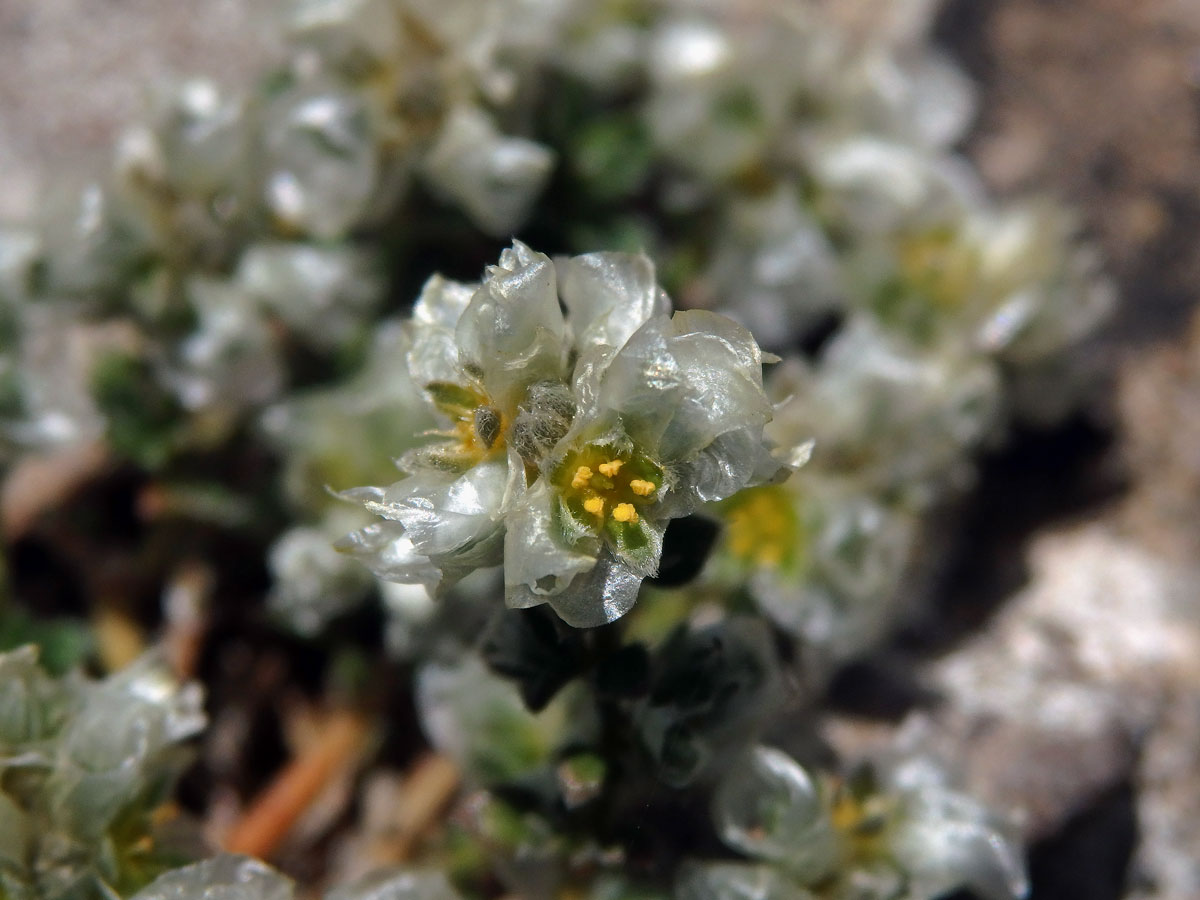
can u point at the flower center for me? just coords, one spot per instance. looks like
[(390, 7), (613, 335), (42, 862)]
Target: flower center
[(603, 486), (861, 821), (477, 427), (762, 528), (940, 267)]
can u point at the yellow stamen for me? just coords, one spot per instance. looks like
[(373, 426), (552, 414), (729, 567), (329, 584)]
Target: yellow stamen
[(642, 488), (611, 468), (582, 476), (595, 505), (624, 512)]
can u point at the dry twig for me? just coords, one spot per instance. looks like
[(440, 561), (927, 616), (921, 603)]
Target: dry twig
[(271, 816)]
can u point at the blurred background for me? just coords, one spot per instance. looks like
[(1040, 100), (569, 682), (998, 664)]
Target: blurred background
[(1079, 550)]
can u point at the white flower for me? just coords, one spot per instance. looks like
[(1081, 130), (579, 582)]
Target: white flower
[(479, 353), (823, 557), (910, 838), (494, 178), (571, 441), (672, 418), (888, 416)]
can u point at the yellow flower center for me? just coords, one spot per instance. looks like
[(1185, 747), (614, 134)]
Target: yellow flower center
[(762, 528), (861, 822), (937, 263), (598, 483)]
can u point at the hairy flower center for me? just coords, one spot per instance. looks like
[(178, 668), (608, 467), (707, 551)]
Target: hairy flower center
[(478, 428)]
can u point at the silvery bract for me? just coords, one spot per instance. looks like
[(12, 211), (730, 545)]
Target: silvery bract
[(769, 808), (335, 437), (570, 442), (226, 876), (911, 838), (736, 881), (493, 177), (897, 419), (230, 877), (84, 764), (480, 721)]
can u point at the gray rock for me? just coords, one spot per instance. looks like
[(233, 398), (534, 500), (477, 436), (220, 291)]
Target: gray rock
[(1086, 680)]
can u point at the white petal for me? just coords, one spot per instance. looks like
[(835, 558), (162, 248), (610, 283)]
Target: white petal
[(609, 296)]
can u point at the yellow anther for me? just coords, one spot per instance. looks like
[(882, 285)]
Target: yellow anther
[(611, 468), (642, 488), (624, 512), (595, 505), (582, 476)]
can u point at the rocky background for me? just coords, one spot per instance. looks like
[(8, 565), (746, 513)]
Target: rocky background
[(1080, 702), (1062, 671), (73, 72)]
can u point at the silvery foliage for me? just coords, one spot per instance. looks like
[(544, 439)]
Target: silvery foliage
[(225, 216), (822, 143), (911, 838), (84, 764), (572, 438), (335, 437), (818, 143), (821, 150), (480, 721), (796, 128), (230, 877), (895, 427), (902, 399)]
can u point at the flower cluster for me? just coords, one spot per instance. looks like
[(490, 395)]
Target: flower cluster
[(788, 172), (571, 439), (826, 554), (780, 165), (243, 878), (228, 231), (84, 766), (909, 838), (890, 831)]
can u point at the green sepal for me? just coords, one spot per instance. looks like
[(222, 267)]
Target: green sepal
[(452, 399)]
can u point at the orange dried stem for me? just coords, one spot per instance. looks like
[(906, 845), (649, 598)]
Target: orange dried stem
[(276, 810), (427, 791), (39, 482)]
